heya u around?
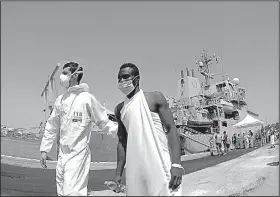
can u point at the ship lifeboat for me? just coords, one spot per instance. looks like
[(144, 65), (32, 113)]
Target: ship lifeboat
[(227, 106)]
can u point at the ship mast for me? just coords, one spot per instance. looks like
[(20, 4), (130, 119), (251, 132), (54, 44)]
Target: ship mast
[(204, 64)]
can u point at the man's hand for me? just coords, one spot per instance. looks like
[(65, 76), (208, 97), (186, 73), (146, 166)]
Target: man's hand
[(118, 187), (176, 177), (118, 179), (43, 160)]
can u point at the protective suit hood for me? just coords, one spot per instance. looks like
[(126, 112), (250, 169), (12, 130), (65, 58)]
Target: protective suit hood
[(83, 87)]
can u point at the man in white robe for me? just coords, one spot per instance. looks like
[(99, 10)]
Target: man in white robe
[(148, 141)]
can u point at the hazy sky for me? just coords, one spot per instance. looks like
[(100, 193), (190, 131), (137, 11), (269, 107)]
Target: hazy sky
[(156, 36)]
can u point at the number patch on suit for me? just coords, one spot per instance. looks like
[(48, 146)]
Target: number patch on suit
[(77, 116)]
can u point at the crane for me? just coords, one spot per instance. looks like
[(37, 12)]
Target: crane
[(49, 87)]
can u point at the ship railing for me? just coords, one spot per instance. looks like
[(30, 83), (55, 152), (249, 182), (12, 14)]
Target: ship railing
[(241, 98), (219, 94), (215, 130), (210, 116), (234, 96), (214, 101), (213, 116), (226, 95)]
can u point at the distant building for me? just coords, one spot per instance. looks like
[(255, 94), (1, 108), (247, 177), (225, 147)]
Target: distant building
[(4, 131)]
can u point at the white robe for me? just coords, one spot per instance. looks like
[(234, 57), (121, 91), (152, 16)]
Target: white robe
[(148, 160)]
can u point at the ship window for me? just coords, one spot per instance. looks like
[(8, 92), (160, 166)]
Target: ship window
[(182, 82), (220, 87), (224, 124), (215, 123)]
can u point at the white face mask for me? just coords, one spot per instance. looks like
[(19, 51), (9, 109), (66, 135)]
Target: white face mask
[(65, 79), (126, 87)]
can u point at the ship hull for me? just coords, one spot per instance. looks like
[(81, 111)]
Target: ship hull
[(194, 124)]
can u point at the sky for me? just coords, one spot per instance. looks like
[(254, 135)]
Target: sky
[(159, 37)]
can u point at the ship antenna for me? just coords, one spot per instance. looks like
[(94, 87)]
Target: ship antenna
[(222, 68), (204, 66)]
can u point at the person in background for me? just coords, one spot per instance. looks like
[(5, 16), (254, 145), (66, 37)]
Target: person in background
[(182, 143), (228, 143), (218, 142), (259, 136), (263, 138), (272, 139), (242, 141), (212, 144), (234, 141), (225, 139), (246, 140), (251, 139), (267, 133), (238, 141)]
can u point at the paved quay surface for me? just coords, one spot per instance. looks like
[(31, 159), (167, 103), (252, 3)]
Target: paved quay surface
[(250, 174), (23, 181)]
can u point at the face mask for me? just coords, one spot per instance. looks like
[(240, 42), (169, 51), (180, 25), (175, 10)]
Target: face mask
[(65, 79), (126, 87)]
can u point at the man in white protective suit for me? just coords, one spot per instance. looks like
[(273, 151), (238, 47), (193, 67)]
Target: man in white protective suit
[(73, 115), (148, 141)]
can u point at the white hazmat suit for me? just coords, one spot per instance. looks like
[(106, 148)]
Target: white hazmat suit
[(73, 114)]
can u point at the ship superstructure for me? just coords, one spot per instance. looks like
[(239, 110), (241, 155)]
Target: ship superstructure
[(206, 107)]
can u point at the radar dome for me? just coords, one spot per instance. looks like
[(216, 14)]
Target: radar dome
[(235, 81)]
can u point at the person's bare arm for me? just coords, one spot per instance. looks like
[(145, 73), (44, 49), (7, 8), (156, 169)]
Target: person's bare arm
[(167, 120), (121, 147)]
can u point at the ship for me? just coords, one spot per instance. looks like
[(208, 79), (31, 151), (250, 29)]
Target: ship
[(203, 108)]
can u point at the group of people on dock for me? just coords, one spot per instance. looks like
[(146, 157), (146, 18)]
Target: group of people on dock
[(222, 142)]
